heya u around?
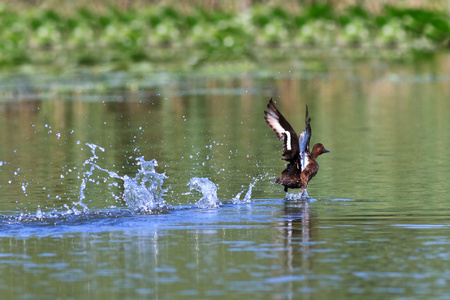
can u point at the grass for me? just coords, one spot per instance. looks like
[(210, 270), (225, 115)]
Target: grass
[(110, 35)]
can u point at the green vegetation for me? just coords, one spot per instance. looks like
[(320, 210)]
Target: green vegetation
[(152, 34)]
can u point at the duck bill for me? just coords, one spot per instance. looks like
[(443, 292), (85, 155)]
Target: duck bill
[(326, 151)]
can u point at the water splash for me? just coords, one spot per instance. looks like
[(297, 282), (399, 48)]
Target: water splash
[(208, 190), (248, 196), (144, 192), (303, 195), (39, 213), (86, 175)]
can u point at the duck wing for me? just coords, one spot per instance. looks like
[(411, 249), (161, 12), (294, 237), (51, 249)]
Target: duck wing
[(303, 142), (284, 131)]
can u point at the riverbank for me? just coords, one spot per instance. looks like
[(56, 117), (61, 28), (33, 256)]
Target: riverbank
[(38, 37)]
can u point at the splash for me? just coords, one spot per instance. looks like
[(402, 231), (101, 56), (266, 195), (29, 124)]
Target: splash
[(144, 192), (303, 195), (208, 190), (86, 176), (248, 196), (39, 214)]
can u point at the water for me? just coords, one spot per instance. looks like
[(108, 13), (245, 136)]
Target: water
[(166, 190)]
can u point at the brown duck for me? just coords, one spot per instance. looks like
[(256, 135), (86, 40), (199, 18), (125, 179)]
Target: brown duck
[(302, 165)]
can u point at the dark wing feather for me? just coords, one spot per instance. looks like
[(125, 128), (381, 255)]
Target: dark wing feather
[(284, 130)]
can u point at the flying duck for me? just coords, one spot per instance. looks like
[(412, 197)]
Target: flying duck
[(302, 166)]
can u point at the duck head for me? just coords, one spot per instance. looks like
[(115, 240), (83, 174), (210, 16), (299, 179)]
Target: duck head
[(318, 149)]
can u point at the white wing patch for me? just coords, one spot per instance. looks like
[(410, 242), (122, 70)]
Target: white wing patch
[(288, 140), (302, 140), (305, 160)]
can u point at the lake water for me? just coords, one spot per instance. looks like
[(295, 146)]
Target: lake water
[(84, 216)]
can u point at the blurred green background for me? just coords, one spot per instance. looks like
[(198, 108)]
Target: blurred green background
[(50, 35)]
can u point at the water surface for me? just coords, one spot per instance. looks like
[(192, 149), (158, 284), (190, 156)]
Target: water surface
[(376, 225)]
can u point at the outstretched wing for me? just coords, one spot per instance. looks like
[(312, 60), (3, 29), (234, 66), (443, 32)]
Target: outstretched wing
[(303, 141), (284, 130)]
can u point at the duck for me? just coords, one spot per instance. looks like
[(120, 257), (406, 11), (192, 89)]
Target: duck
[(302, 165)]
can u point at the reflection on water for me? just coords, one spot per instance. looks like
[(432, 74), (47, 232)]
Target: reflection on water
[(376, 224), (268, 247)]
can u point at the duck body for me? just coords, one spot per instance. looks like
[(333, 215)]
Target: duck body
[(302, 165)]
